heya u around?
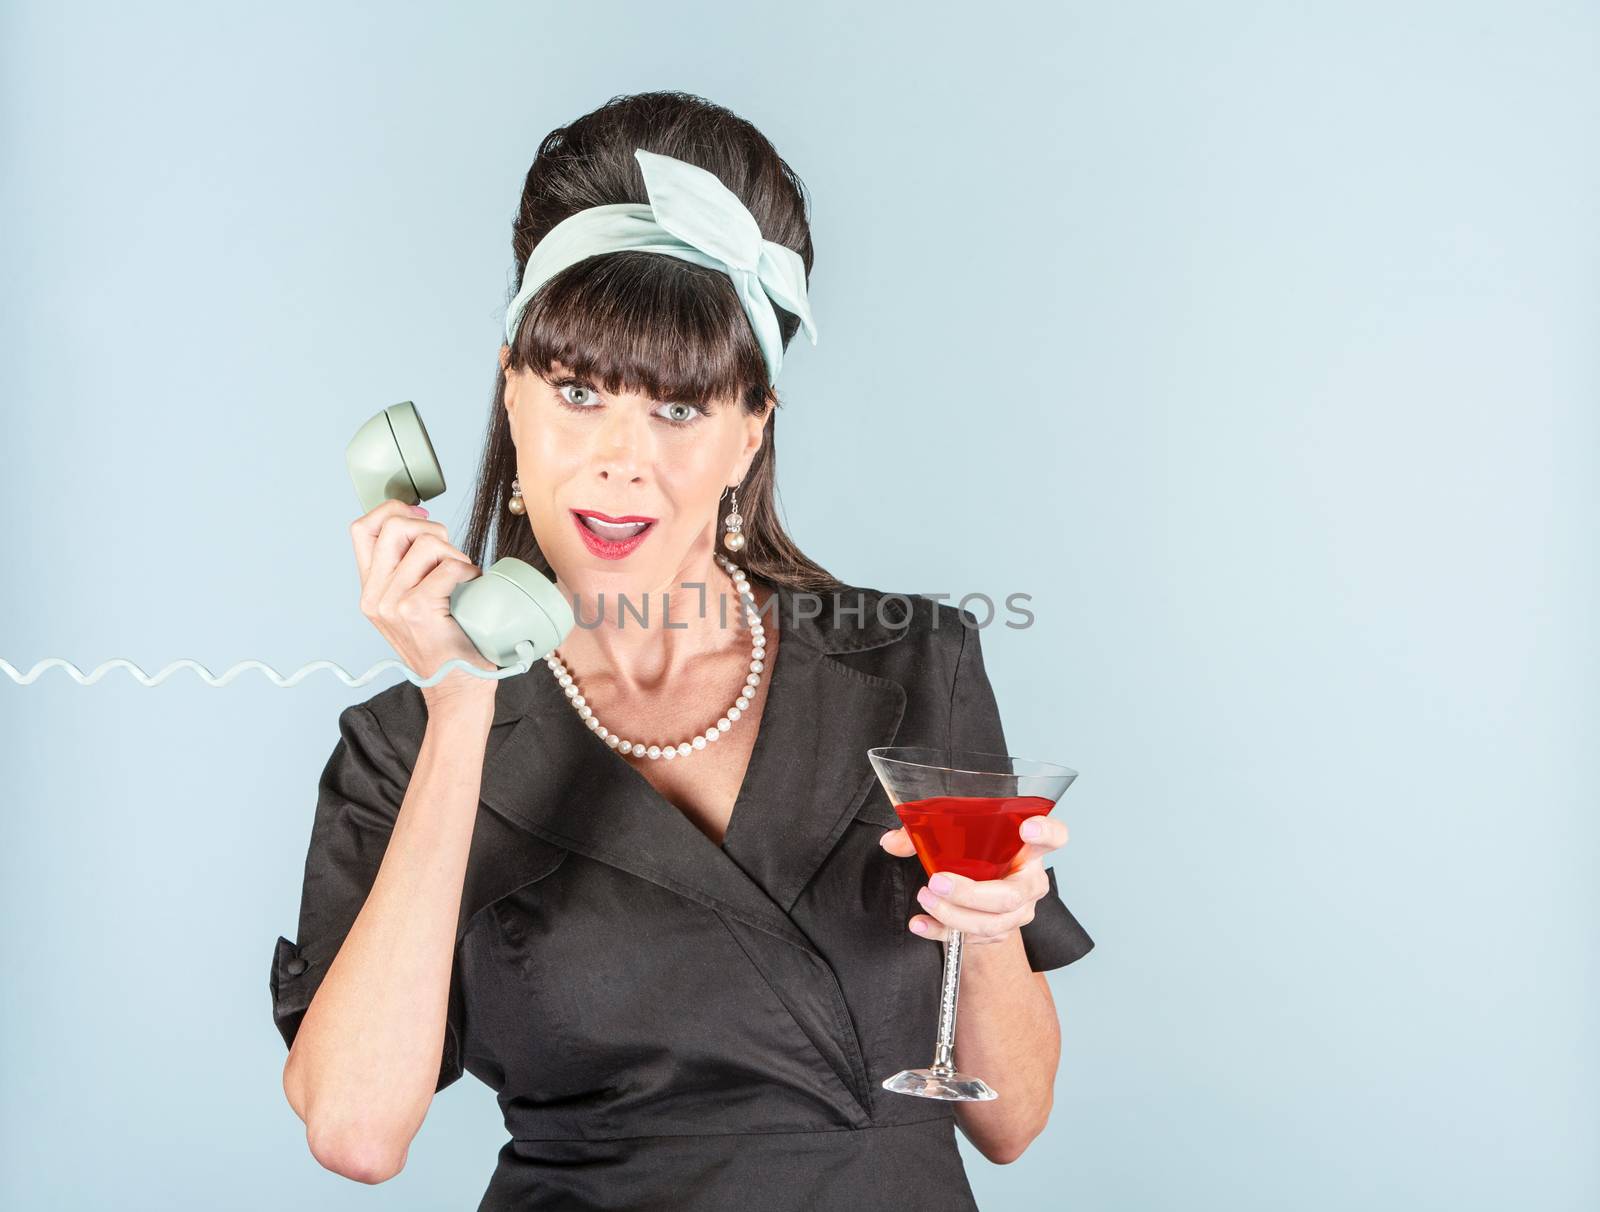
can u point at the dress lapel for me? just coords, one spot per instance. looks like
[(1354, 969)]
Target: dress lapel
[(808, 775)]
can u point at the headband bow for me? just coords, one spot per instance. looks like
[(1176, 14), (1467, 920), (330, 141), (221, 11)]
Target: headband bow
[(692, 216)]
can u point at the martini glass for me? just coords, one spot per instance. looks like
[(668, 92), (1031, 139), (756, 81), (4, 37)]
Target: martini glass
[(962, 810)]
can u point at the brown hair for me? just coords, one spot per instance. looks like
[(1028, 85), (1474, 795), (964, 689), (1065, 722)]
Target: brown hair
[(649, 323)]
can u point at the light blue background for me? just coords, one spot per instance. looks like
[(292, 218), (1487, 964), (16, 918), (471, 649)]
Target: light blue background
[(1256, 341)]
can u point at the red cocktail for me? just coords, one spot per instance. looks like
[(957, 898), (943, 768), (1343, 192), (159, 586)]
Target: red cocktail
[(972, 835)]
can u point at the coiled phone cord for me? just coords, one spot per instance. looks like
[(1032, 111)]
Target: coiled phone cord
[(526, 654)]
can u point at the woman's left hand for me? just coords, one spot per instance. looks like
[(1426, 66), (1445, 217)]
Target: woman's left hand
[(985, 911)]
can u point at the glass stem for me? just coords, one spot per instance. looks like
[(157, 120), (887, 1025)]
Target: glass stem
[(943, 1057)]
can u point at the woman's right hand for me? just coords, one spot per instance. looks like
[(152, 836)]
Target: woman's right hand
[(408, 570)]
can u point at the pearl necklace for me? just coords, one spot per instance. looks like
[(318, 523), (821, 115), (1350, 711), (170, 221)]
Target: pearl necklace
[(758, 652)]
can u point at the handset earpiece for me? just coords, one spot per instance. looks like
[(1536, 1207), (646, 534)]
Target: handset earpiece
[(391, 459), (511, 604)]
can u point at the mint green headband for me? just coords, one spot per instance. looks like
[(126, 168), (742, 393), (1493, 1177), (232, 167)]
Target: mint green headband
[(692, 216)]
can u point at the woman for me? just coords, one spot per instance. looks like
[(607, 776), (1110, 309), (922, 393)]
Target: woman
[(676, 936)]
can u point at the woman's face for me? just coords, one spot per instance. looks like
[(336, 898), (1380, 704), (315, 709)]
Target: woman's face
[(582, 451)]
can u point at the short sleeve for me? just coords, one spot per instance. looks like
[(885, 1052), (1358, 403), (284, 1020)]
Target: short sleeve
[(1053, 938), (358, 799)]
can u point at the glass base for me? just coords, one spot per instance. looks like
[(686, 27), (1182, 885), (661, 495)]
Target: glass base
[(941, 1083)]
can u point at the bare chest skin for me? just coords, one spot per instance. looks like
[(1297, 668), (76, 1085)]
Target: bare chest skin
[(705, 785)]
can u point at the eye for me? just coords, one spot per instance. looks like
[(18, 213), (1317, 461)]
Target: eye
[(681, 412), (589, 401)]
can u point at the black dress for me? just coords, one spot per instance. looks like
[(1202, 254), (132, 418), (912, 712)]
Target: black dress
[(670, 1023)]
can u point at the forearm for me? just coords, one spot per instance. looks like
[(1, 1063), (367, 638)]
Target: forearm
[(365, 1061), (1007, 1034)]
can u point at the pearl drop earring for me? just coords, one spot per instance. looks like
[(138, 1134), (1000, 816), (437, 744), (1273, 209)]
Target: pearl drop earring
[(734, 539), (515, 505)]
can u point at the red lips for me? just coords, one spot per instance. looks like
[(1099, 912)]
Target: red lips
[(606, 517), (610, 549)]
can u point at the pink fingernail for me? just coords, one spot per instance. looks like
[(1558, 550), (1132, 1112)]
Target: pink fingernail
[(1032, 830), (940, 884), (919, 926)]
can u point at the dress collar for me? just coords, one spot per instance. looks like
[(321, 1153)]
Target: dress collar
[(807, 778)]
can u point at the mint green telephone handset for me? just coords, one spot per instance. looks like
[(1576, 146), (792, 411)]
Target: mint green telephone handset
[(512, 614)]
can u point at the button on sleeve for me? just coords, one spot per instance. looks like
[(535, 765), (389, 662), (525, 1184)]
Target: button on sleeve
[(1053, 938)]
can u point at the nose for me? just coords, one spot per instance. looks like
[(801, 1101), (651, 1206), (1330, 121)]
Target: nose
[(621, 448)]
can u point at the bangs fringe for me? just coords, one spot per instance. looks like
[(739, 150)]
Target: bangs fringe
[(649, 323)]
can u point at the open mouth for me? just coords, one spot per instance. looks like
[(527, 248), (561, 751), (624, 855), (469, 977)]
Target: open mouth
[(611, 537)]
